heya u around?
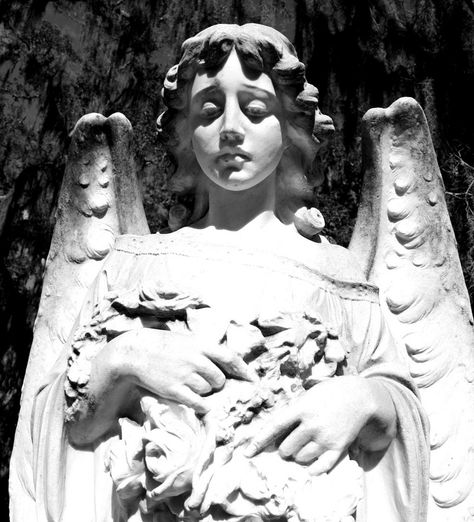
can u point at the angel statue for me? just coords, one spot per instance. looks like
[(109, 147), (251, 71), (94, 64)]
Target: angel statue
[(239, 366)]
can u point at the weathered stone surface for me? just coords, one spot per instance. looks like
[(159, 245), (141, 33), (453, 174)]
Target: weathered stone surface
[(404, 240), (60, 60), (256, 380)]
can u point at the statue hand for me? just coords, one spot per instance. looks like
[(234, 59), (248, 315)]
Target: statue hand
[(324, 421), (177, 366), (170, 365)]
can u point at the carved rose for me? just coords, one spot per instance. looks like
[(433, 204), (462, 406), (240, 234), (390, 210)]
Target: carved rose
[(309, 221), (173, 440), (155, 461), (126, 465)]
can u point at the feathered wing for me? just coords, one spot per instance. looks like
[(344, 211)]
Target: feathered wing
[(99, 199), (405, 243)]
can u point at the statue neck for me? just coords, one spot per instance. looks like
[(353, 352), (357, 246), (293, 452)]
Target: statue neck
[(238, 210)]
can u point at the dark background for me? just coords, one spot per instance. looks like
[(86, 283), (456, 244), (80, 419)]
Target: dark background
[(62, 59)]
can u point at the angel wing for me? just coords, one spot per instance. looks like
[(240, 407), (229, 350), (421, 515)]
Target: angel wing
[(99, 199), (404, 240)]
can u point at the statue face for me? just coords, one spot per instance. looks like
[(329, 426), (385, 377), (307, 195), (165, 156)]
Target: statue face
[(235, 124)]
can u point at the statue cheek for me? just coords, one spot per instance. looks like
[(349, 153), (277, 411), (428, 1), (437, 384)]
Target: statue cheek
[(205, 138), (202, 144), (272, 142), (273, 133)]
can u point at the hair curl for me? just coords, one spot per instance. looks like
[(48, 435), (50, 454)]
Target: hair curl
[(262, 50)]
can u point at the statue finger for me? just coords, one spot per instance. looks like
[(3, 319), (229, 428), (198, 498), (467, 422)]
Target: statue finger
[(231, 363), (198, 384), (309, 453), (186, 396), (294, 442), (325, 462), (279, 424), (211, 373)]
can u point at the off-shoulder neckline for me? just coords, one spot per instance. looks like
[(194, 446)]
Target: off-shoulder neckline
[(184, 244)]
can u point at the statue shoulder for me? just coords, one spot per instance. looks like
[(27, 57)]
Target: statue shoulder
[(336, 261), (331, 260)]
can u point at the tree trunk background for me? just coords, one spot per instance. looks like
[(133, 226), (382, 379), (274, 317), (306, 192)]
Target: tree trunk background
[(62, 59)]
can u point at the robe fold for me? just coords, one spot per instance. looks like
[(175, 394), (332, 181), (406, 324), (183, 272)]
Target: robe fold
[(72, 485)]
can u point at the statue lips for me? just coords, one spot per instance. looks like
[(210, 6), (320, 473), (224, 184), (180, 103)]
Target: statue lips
[(232, 157)]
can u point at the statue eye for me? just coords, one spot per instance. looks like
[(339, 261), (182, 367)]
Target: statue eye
[(257, 109), (210, 110)]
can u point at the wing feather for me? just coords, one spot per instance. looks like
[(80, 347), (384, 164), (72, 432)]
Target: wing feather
[(406, 245), (99, 199)]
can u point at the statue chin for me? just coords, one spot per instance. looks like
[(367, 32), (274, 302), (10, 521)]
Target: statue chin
[(238, 180)]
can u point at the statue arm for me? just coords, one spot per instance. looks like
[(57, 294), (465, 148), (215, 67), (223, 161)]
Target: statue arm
[(357, 406), (381, 360), (322, 423), (177, 366), (381, 426), (164, 363)]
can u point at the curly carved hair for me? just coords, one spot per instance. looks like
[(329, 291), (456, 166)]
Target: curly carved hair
[(262, 50)]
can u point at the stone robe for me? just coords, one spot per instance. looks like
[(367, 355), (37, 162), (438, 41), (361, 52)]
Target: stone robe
[(71, 484)]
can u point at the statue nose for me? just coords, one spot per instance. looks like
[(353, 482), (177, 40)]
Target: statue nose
[(232, 131), (232, 136)]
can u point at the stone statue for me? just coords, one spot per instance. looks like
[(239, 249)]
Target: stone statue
[(240, 366)]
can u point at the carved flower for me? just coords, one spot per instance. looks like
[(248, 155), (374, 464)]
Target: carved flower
[(173, 440), (267, 487), (126, 464), (303, 345), (155, 461), (309, 221), (155, 466), (152, 298)]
